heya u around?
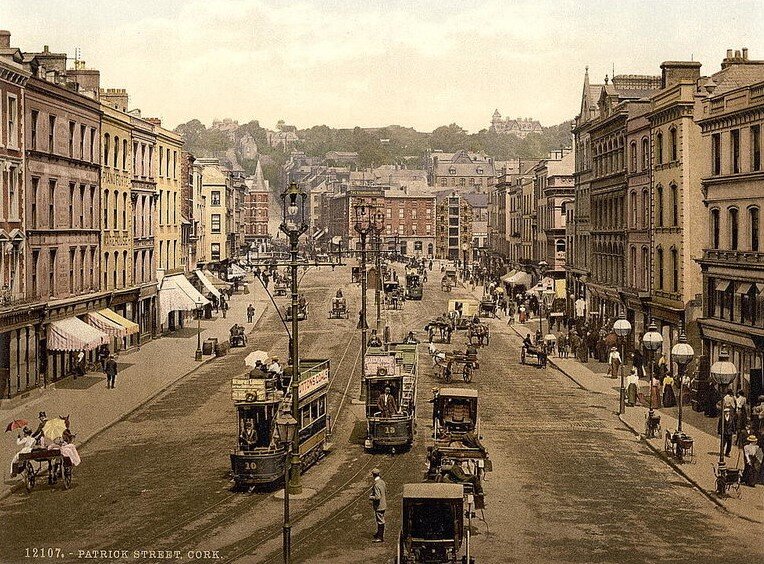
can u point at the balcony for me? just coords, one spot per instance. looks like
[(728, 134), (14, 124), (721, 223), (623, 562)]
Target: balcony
[(731, 256)]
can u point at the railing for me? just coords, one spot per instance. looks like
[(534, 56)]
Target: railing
[(7, 300), (746, 257)]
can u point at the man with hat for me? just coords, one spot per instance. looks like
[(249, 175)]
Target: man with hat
[(614, 362), (378, 498), (386, 403), (753, 457), (728, 426), (43, 420), (757, 416)]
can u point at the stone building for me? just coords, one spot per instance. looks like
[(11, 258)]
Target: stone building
[(193, 205), (167, 167), (520, 127), (18, 344), (732, 261), (460, 171), (553, 185), (218, 194), (453, 227)]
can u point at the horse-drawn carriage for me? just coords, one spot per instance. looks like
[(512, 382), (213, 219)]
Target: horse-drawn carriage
[(443, 325), (535, 351), (238, 337), (414, 286), (478, 333), (339, 308), (302, 312), (447, 363), (30, 465), (462, 311), (394, 295), (487, 307), (280, 287)]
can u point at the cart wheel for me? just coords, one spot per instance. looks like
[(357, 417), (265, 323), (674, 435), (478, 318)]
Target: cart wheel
[(467, 373), (67, 477), (522, 356), (29, 476)]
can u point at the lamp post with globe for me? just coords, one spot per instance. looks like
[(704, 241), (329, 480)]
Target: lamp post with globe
[(723, 372), (286, 428), (622, 328), (652, 341), (682, 353)]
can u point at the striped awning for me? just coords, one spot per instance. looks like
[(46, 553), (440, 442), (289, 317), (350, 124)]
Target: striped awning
[(208, 286), (73, 334), (177, 294), (235, 271), (520, 278), (217, 282), (508, 276), (112, 323)]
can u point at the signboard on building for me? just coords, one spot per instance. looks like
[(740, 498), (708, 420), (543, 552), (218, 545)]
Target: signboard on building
[(309, 384)]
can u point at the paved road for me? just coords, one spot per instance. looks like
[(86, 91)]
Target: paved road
[(569, 483)]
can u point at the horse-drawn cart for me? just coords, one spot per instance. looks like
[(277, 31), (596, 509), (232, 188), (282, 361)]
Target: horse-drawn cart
[(339, 309), (478, 334), (280, 288), (448, 362), (30, 466), (536, 352), (487, 308)]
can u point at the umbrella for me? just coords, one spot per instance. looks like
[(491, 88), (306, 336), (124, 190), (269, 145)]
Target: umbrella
[(16, 424), (253, 357), (54, 429)]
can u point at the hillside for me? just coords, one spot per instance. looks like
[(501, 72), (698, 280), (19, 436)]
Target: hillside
[(375, 146)]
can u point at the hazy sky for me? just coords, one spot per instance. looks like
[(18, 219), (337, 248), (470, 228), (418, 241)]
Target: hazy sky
[(355, 62)]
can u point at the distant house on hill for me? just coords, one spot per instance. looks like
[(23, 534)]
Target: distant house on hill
[(519, 127)]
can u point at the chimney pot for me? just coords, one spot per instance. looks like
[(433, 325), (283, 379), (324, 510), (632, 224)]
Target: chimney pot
[(5, 39), (745, 53), (737, 54), (729, 53)]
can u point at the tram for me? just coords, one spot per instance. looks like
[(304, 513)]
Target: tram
[(414, 286), (259, 458), (390, 380)]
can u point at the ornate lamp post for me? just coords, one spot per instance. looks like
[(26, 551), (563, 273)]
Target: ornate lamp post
[(723, 372), (286, 428), (652, 341), (293, 225), (622, 328), (465, 248), (547, 300), (198, 354), (378, 223), (363, 225), (682, 353)]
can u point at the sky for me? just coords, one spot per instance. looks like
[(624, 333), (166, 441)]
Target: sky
[(347, 63)]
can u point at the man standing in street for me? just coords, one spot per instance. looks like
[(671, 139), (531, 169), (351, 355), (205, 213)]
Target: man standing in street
[(111, 371), (250, 313), (378, 499), (727, 425)]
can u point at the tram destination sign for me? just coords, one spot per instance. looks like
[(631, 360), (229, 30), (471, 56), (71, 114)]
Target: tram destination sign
[(247, 389), (373, 362), (313, 382)]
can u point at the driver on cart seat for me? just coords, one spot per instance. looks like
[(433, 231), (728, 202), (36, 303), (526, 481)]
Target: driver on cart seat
[(527, 343), (410, 339)]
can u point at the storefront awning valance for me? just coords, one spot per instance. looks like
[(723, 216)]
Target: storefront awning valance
[(744, 288), (73, 334), (508, 276), (520, 278), (208, 286), (177, 294), (217, 282), (235, 271), (722, 285), (130, 327)]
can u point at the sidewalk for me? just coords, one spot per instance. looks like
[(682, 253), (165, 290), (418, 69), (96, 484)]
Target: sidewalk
[(143, 373), (699, 473)]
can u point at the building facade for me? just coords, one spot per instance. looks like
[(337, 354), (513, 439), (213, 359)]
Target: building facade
[(218, 194), (453, 228), (460, 171)]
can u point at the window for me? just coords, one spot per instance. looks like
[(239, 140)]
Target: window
[(83, 134), (175, 165), (672, 141), (106, 148), (116, 267), (753, 222), (83, 254), (215, 251), (124, 154), (659, 148), (93, 269), (13, 122), (756, 148), (674, 271), (645, 269), (116, 151), (633, 156), (733, 219), (72, 258), (748, 313), (215, 198), (715, 229), (124, 268), (659, 264), (35, 117), (124, 210), (52, 272), (659, 206), (106, 271), (93, 216), (633, 262), (413, 213), (51, 133), (735, 150), (35, 267), (92, 144), (82, 206), (71, 204), (72, 127), (674, 206), (215, 223), (168, 163), (633, 209), (13, 194), (106, 209), (645, 153), (400, 213), (161, 161), (33, 208), (645, 208), (51, 203)]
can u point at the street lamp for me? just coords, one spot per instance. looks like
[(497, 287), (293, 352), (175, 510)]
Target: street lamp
[(286, 429), (293, 225), (547, 299), (378, 223), (198, 354), (622, 328), (364, 223), (723, 372), (652, 341), (682, 353), (465, 248)]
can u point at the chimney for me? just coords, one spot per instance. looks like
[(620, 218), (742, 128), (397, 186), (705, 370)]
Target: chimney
[(115, 98), (88, 79), (737, 54), (5, 39), (745, 53), (729, 53), (674, 72)]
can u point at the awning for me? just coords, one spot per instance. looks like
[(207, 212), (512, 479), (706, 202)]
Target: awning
[(216, 282), (508, 275), (130, 327), (545, 284), (209, 287), (235, 271), (743, 288), (520, 278), (722, 285), (72, 334), (177, 294)]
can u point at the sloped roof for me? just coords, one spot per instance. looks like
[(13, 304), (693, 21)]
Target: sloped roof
[(736, 76)]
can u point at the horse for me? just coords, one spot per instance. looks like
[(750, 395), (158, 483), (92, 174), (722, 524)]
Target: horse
[(478, 332)]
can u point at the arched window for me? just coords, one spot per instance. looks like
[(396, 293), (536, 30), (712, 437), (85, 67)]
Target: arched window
[(659, 148), (659, 266), (116, 267), (106, 209), (715, 228), (124, 269), (634, 209), (560, 245), (674, 270), (753, 225), (106, 148), (124, 154), (116, 151), (633, 156), (645, 153), (659, 205), (672, 141), (116, 209), (633, 270), (645, 208), (124, 210), (645, 281), (106, 271), (734, 228), (674, 206)]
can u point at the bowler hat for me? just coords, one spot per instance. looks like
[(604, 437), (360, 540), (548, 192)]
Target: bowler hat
[(41, 414)]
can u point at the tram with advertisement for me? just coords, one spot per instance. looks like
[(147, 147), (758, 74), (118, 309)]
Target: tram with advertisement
[(390, 378), (259, 457)]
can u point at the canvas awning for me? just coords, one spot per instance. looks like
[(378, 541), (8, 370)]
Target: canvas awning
[(177, 294), (722, 285), (545, 284), (208, 286), (520, 278), (743, 288), (112, 323), (235, 271), (73, 334), (508, 276), (216, 282)]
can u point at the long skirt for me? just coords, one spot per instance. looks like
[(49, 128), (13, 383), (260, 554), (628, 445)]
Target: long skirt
[(631, 394), (655, 396), (669, 399)]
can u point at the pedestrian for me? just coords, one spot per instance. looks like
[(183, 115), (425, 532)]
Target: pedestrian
[(669, 397), (614, 363), (728, 402), (655, 391), (111, 371), (378, 499), (79, 368), (632, 387), (103, 355), (250, 313), (727, 425), (638, 362), (753, 457), (741, 409), (224, 307)]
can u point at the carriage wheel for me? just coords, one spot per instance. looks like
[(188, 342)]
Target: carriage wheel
[(67, 477), (467, 372), (29, 476)]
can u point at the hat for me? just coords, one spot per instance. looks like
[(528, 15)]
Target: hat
[(275, 359), (726, 409), (375, 472), (613, 348), (42, 414), (752, 439)]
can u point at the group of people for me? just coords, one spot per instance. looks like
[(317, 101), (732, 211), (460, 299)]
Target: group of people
[(30, 440)]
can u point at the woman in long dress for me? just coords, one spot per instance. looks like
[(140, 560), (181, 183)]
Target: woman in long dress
[(669, 398), (631, 387)]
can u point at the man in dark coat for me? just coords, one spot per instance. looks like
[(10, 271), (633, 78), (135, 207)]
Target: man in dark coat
[(386, 403), (111, 371), (728, 426)]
